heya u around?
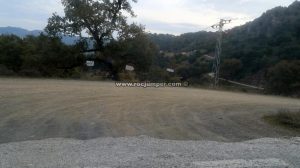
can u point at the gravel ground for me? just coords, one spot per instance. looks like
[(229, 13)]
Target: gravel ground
[(148, 152)]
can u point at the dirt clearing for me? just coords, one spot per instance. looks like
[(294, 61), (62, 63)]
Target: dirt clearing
[(32, 109)]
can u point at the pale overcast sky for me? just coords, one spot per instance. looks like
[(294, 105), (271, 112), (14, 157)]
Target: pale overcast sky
[(160, 16)]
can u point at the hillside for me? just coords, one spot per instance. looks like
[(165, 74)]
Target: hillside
[(184, 42), (273, 37), (278, 25), (253, 48)]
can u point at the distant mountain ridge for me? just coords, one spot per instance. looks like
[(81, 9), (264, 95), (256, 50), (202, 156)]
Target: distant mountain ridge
[(20, 32)]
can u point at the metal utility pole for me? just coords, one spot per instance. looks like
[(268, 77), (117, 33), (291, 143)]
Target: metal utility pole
[(217, 62)]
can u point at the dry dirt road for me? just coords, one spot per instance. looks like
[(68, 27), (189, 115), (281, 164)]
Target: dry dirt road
[(34, 109)]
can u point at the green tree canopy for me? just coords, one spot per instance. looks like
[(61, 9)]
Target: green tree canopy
[(284, 78), (102, 20)]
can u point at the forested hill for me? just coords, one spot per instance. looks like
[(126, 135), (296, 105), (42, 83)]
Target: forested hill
[(277, 27), (184, 42), (250, 52), (268, 39)]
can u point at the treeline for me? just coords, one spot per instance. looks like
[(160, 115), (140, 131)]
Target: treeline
[(38, 56), (45, 56), (185, 42)]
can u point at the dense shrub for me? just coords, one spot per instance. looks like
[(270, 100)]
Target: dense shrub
[(284, 78), (286, 118), (38, 56), (4, 71), (291, 119)]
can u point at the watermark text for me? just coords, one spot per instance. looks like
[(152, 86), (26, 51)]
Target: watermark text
[(151, 85)]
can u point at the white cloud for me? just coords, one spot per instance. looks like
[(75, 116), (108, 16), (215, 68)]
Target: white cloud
[(166, 16), (178, 12)]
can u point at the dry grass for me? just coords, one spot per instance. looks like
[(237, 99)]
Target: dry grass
[(38, 109), (286, 118)]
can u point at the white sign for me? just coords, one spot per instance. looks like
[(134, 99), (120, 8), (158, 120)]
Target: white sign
[(170, 70), (212, 75), (90, 63), (129, 68)]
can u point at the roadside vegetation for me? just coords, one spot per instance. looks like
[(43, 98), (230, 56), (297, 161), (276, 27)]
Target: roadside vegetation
[(285, 118)]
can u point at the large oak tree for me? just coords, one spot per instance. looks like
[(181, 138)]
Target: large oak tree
[(102, 20)]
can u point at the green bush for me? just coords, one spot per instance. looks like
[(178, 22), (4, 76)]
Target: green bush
[(30, 73), (291, 119), (284, 78), (127, 77), (4, 71), (38, 56)]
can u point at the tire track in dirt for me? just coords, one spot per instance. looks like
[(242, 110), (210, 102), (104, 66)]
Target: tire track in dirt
[(39, 109)]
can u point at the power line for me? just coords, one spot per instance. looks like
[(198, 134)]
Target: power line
[(216, 67), (242, 84), (229, 18)]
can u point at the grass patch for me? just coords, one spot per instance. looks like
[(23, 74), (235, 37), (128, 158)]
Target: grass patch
[(286, 119)]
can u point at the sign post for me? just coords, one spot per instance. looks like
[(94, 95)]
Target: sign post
[(129, 68), (90, 63), (170, 70)]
